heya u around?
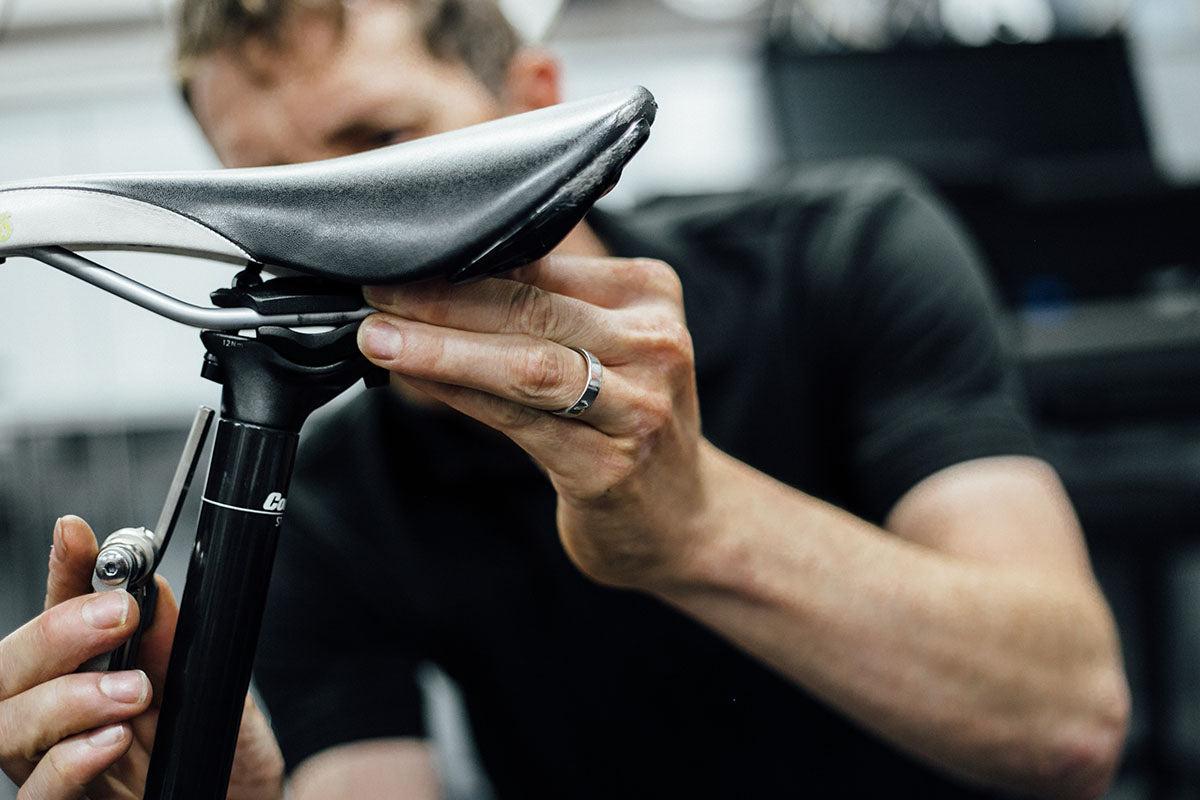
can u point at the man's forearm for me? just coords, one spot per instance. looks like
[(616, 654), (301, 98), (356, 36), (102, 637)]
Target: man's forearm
[(989, 669)]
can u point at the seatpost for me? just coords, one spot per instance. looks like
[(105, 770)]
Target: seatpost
[(271, 383)]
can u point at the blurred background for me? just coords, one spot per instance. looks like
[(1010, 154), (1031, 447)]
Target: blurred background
[(1066, 133)]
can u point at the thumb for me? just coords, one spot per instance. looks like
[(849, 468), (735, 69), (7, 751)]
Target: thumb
[(72, 559)]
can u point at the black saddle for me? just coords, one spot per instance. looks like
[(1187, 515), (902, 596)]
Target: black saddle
[(471, 202)]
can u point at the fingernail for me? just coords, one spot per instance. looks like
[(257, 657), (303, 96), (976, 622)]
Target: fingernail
[(379, 340), (107, 610), (107, 737), (125, 687), (58, 550)]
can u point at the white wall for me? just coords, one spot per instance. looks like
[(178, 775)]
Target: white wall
[(712, 131), (94, 102)]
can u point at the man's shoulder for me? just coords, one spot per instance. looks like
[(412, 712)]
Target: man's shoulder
[(807, 224)]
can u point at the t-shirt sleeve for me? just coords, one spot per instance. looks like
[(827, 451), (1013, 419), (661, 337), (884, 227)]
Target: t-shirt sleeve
[(333, 667), (930, 382)]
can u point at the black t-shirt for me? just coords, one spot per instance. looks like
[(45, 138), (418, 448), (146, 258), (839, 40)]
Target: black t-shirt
[(846, 344)]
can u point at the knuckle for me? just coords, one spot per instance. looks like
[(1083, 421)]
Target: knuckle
[(647, 422), (61, 767), (666, 342), (652, 412), (620, 461), (539, 375), (677, 341), (43, 630), (532, 311), (668, 282), (629, 272), (26, 726), (657, 277), (27, 740)]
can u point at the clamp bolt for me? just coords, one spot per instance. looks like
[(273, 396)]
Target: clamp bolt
[(114, 566)]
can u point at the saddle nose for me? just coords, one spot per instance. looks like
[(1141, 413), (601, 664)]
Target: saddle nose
[(461, 204)]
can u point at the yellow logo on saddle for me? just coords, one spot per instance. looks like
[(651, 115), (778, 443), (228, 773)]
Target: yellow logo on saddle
[(5, 227)]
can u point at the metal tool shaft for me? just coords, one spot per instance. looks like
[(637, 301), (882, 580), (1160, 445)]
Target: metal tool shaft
[(186, 469)]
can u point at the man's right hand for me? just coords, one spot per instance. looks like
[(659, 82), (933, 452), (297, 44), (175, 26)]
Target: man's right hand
[(63, 734)]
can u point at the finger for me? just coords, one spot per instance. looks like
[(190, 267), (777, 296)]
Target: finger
[(57, 641), (604, 282), (492, 306), (257, 762), (34, 721), (155, 649), (530, 372), (66, 770), (72, 560)]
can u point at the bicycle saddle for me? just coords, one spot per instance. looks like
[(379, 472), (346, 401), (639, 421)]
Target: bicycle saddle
[(461, 204)]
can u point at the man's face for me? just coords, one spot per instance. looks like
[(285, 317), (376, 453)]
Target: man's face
[(325, 93)]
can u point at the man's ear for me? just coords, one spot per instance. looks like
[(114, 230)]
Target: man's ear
[(533, 81)]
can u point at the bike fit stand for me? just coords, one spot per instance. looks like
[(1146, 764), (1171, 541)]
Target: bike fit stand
[(271, 384)]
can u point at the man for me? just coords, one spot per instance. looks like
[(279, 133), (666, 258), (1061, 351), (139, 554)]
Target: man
[(713, 630)]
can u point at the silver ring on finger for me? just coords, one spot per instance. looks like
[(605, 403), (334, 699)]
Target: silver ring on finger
[(590, 392)]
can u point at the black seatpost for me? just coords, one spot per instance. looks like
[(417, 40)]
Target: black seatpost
[(271, 385)]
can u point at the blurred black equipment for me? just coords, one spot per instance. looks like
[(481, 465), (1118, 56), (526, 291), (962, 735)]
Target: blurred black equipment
[(1043, 150), (1027, 116)]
